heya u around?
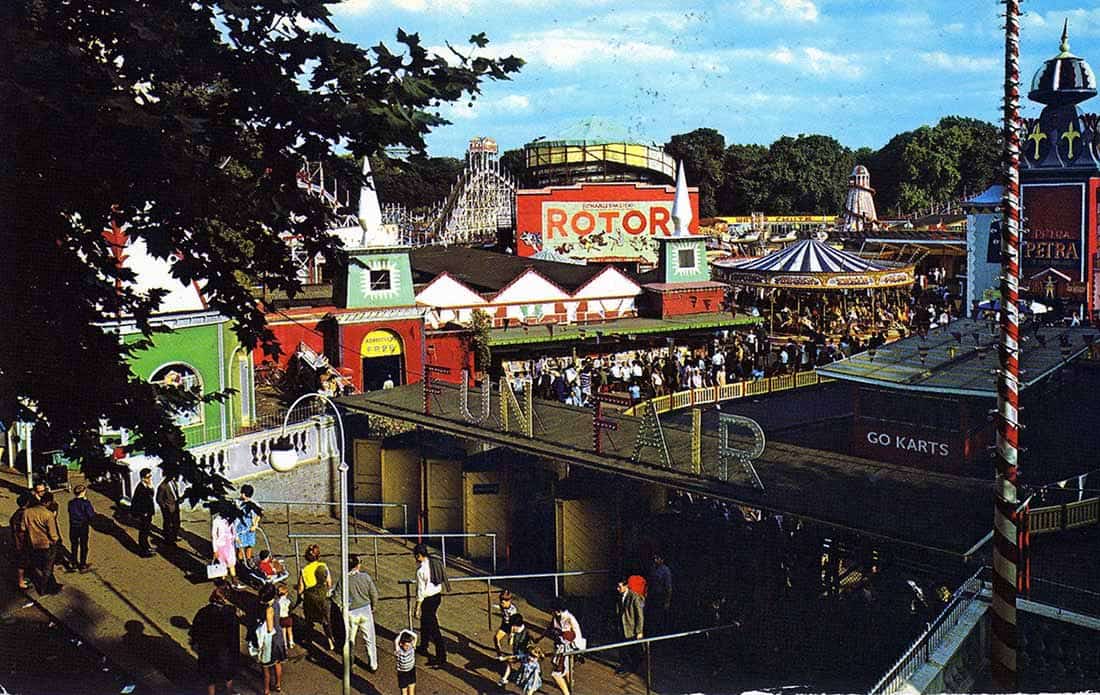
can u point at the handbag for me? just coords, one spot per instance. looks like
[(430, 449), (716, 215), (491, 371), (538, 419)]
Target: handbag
[(216, 570)]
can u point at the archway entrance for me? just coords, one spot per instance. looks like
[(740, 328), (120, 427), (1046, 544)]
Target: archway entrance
[(383, 359)]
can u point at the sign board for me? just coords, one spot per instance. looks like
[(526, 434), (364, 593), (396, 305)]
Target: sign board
[(486, 488), (1054, 232), (919, 447), (598, 221), (380, 343)]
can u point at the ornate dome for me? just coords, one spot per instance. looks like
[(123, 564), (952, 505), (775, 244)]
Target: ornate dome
[(1064, 79)]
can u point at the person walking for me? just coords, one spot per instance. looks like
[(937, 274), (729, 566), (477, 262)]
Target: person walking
[(168, 500), (630, 609), (362, 598), (431, 579), (404, 652), (507, 609), (222, 540), (565, 630), (41, 529), (247, 524), (658, 598), (315, 573), (81, 514), (141, 506), (216, 638), (21, 543), (270, 646)]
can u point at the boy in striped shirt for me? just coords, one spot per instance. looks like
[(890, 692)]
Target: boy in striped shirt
[(405, 655)]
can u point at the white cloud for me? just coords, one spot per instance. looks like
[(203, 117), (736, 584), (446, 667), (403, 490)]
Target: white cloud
[(566, 49), (471, 110), (782, 55), (1082, 22), (775, 10), (958, 63)]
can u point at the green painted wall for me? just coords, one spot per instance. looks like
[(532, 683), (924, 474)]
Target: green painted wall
[(213, 352), (353, 288), (669, 260)]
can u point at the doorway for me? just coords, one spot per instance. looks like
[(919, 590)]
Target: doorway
[(383, 360)]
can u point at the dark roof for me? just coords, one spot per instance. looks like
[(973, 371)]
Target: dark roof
[(907, 236), (489, 271), (959, 366)]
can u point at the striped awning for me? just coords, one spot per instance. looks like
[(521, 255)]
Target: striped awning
[(809, 256)]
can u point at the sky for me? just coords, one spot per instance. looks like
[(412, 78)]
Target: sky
[(755, 70)]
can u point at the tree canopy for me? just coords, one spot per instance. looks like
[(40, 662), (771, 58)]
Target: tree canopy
[(915, 170), (187, 122)]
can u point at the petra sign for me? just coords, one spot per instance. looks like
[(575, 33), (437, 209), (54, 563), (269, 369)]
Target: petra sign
[(608, 221), (1054, 233)]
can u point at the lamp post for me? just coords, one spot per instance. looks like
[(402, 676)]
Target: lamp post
[(283, 460)]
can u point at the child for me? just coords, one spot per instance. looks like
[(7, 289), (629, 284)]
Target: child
[(521, 642), (529, 677), (269, 565), (283, 612), (507, 610), (405, 654)]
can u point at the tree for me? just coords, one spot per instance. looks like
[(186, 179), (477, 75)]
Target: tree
[(480, 328), (187, 121), (417, 182), (807, 174), (702, 151), (741, 192)]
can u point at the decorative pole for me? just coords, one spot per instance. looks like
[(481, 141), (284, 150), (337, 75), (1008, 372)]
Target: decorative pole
[(1005, 548)]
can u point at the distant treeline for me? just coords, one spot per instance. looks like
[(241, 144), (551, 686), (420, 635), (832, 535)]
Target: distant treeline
[(931, 166)]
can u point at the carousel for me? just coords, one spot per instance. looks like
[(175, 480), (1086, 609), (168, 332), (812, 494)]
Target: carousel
[(812, 274)]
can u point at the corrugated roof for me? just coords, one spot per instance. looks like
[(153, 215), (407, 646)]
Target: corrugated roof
[(489, 271)]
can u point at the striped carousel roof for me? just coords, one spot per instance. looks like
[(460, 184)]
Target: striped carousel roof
[(809, 256)]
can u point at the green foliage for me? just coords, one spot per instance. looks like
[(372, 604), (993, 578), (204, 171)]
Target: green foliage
[(416, 182), (702, 151), (188, 122), (480, 326), (809, 174)]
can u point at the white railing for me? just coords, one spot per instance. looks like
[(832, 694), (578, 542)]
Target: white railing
[(933, 637), (251, 453)]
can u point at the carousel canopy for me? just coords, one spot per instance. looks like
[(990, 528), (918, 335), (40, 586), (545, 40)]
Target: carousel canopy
[(812, 264)]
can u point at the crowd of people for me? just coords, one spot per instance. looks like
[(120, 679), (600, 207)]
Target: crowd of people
[(798, 332)]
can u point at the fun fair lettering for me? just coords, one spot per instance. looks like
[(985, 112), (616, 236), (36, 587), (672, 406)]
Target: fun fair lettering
[(560, 222)]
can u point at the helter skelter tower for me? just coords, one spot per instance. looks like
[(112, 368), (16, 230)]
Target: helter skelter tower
[(859, 204)]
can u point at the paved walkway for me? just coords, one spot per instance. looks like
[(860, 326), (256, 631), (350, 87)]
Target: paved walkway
[(137, 612)]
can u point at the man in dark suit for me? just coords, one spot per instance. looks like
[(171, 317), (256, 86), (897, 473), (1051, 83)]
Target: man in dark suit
[(141, 506), (630, 609), (168, 501)]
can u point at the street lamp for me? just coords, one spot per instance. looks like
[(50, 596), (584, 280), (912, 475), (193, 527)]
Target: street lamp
[(284, 459)]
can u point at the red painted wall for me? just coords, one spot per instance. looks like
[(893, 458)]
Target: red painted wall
[(450, 349), (529, 211), (289, 335), (679, 303), (350, 340)]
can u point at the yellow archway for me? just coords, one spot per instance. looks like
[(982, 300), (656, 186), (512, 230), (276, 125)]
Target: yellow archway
[(380, 343)]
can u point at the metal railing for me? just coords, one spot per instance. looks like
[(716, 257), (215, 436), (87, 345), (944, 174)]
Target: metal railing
[(370, 505), (645, 643), (489, 579), (922, 649), (295, 537), (1062, 517)]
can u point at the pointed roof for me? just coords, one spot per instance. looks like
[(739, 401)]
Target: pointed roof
[(681, 204), (809, 256), (370, 232), (1064, 79)]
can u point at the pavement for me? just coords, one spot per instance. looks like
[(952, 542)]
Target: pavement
[(132, 615)]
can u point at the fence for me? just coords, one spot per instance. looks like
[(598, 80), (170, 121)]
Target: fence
[(921, 650), (295, 537), (354, 505), (489, 579), (1061, 517), (739, 389), (644, 643)]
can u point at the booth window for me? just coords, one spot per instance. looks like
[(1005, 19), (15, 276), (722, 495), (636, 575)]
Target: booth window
[(182, 377), (379, 280), (686, 258)]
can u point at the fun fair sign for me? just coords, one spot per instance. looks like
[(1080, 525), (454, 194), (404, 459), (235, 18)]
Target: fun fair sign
[(597, 221)]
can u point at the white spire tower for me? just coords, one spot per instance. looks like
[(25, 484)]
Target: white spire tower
[(681, 205), (370, 213)]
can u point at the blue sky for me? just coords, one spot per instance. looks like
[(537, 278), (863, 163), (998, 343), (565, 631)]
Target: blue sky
[(752, 69)]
